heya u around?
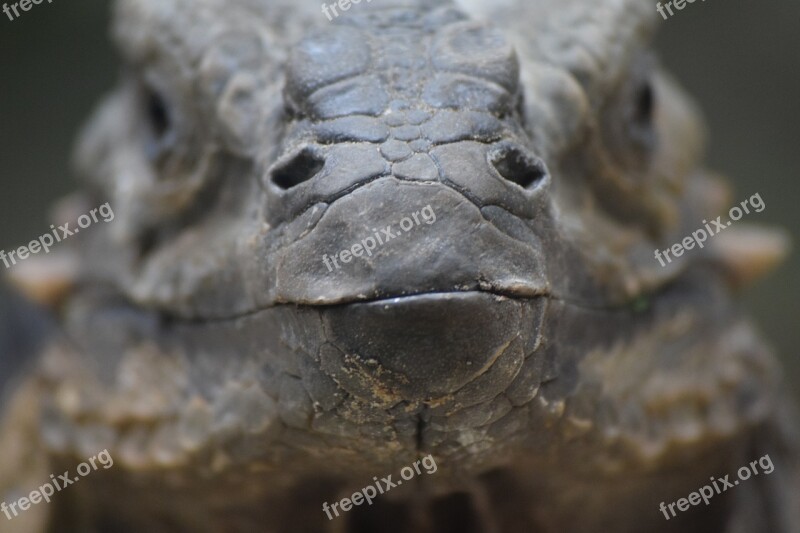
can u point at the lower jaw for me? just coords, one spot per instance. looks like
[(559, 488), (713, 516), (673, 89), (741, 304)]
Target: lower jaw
[(371, 384), (429, 349)]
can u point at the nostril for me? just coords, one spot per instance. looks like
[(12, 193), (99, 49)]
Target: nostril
[(300, 168), (518, 167)]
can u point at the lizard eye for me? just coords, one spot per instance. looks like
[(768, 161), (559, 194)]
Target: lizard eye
[(628, 119), (644, 105), (159, 123), (157, 113), (641, 114)]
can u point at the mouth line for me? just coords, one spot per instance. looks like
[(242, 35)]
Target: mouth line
[(443, 294), (168, 317), (401, 298)]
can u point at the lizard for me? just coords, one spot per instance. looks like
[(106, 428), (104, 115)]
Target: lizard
[(527, 340)]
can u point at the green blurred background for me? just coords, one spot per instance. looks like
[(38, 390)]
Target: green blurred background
[(740, 59)]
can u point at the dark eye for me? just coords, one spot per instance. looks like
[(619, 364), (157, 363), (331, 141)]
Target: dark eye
[(638, 118), (639, 102), (629, 118), (159, 123), (157, 113), (644, 104)]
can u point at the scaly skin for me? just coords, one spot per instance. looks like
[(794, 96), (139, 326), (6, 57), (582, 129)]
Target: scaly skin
[(527, 339)]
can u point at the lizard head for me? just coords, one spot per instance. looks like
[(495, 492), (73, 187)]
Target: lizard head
[(390, 222)]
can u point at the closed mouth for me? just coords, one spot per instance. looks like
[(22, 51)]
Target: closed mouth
[(514, 293), (426, 346)]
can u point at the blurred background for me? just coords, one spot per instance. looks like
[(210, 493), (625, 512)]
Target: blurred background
[(740, 59)]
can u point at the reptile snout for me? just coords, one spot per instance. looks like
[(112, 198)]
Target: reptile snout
[(393, 238), (410, 200), (452, 151)]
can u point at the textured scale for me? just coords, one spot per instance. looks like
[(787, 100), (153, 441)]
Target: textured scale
[(526, 338)]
